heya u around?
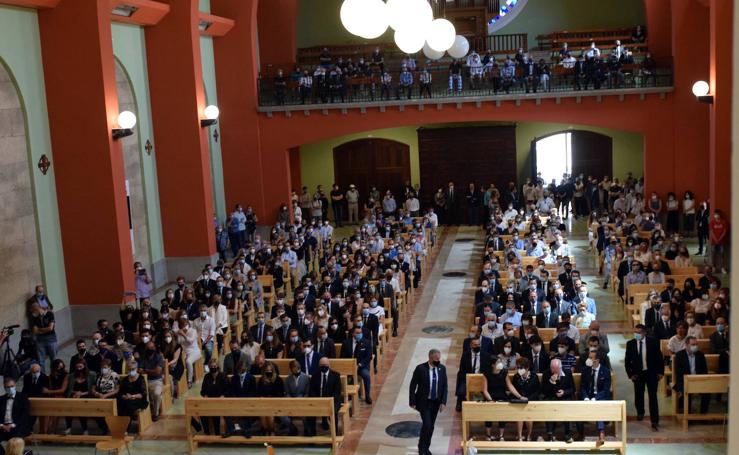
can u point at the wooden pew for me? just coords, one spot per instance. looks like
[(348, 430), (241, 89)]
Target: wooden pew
[(703, 383), (711, 364), (256, 407), (268, 291), (475, 383), (71, 407), (544, 411)]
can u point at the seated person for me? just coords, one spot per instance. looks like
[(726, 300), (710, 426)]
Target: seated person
[(132, 397), (690, 361), (595, 385), (678, 341), (559, 386)]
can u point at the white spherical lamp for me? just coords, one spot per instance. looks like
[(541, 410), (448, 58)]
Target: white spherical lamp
[(408, 41), (409, 14), (126, 120), (701, 88), (211, 112), (440, 35), (374, 19), (460, 47), (350, 14), (430, 53)]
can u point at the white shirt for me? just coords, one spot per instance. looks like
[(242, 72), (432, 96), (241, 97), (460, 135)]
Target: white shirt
[(643, 348), (221, 318), (9, 410), (475, 362), (205, 327), (434, 371), (434, 219)]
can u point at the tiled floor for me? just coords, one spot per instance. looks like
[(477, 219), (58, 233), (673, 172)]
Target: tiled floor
[(445, 302)]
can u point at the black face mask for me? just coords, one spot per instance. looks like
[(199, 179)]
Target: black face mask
[(324, 369), (475, 350), (436, 363)]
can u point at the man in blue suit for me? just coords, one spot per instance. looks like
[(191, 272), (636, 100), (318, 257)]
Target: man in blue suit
[(241, 385), (360, 348), (428, 393), (309, 359), (595, 385)]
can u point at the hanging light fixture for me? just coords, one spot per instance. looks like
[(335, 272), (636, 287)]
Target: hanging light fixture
[(408, 40), (374, 19), (440, 35)]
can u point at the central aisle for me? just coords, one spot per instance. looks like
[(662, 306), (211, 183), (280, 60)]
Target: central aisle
[(441, 321)]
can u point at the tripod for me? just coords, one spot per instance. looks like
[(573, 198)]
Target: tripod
[(9, 367)]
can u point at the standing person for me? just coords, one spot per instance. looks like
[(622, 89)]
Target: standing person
[(440, 204), (352, 201), (450, 207), (43, 324), (645, 367), (237, 229), (688, 214), (718, 230), (473, 205), (250, 225), (702, 224), (143, 282), (337, 204), (428, 393)]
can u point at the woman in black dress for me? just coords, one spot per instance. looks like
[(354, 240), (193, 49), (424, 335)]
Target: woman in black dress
[(172, 353), (524, 386), (495, 388), (79, 386), (269, 385), (58, 384), (132, 396)]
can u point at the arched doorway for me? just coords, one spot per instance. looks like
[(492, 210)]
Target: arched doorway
[(19, 244), (382, 163), (138, 221), (572, 152)]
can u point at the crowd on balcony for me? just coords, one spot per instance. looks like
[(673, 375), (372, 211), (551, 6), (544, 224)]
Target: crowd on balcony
[(340, 79)]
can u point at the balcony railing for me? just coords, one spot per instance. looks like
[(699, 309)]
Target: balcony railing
[(440, 6), (368, 89)]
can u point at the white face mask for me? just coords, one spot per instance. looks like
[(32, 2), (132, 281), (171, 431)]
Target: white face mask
[(507, 350), (521, 371), (499, 366), (562, 351), (589, 362), (105, 371)]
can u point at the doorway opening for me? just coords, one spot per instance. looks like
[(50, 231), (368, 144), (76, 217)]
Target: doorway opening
[(554, 157)]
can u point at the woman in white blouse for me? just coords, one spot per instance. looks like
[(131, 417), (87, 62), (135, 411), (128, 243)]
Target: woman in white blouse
[(188, 339), (688, 214), (656, 276)]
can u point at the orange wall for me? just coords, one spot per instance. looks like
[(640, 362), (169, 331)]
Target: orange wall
[(278, 29)]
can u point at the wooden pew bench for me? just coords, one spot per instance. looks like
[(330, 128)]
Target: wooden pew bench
[(711, 363), (544, 411), (261, 407), (704, 383), (71, 407), (475, 383)]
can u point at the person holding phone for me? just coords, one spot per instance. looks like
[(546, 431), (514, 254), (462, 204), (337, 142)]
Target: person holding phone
[(143, 282)]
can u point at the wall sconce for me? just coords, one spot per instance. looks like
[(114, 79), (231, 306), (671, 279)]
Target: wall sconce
[(211, 116), (126, 122), (700, 90)]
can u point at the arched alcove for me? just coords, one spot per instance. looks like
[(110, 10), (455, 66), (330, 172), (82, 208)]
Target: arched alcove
[(19, 244), (133, 171)]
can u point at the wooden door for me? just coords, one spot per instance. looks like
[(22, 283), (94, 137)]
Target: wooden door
[(382, 163), (592, 154)]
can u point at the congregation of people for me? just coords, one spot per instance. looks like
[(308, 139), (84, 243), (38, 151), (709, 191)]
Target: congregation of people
[(338, 79)]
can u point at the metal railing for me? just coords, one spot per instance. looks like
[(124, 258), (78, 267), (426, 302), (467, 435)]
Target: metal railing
[(507, 43), (369, 89)]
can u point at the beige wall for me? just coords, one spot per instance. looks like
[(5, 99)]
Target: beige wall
[(20, 269), (132, 163)]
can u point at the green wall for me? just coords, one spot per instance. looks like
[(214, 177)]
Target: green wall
[(545, 16), (209, 80), (317, 162), (319, 22), (20, 48), (129, 46), (317, 159)]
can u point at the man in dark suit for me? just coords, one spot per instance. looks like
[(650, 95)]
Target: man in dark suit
[(645, 366), (666, 327), (428, 393), (358, 347), (595, 385), (486, 344), (473, 361), (653, 313), (385, 290), (233, 358), (720, 344), (537, 355), (547, 318), (17, 424), (309, 359), (325, 346), (690, 361), (561, 304), (241, 385), (451, 201), (558, 385), (259, 330), (325, 383)]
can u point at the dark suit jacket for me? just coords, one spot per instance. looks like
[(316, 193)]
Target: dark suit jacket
[(500, 341), (254, 331), (543, 360), (682, 367), (231, 361), (363, 352), (564, 383), (20, 414), (327, 348), (603, 384), (315, 358), (651, 316), (421, 385), (655, 360), (373, 325), (465, 368), (236, 388), (486, 345), (553, 320), (332, 387), (661, 332), (34, 390)]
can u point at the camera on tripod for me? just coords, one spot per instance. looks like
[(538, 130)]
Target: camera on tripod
[(10, 329)]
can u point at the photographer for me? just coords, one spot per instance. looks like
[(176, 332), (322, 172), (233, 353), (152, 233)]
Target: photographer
[(27, 349), (42, 323), (143, 282)]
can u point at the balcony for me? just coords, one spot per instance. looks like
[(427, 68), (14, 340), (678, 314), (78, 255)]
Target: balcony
[(364, 93)]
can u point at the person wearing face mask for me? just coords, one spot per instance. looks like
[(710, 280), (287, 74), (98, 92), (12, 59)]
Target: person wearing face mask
[(187, 337), (595, 385), (296, 386), (547, 318), (325, 383), (358, 346), (537, 355), (172, 355), (666, 327), (16, 410), (34, 382), (151, 363), (494, 389), (206, 329), (511, 315), (558, 386), (325, 345), (720, 341), (428, 396), (524, 386), (259, 330), (43, 326), (584, 318), (132, 397), (308, 359), (269, 385), (508, 335), (690, 361), (718, 230), (214, 386), (241, 385), (474, 361), (106, 385), (645, 367), (508, 355)]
